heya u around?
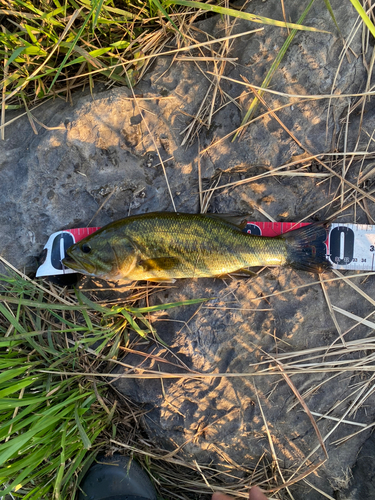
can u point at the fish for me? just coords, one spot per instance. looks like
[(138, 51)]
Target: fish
[(164, 246)]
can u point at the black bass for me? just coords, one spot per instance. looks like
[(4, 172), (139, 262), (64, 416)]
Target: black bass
[(167, 245)]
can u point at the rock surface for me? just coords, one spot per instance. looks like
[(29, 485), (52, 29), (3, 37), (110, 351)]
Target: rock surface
[(102, 153), (362, 484)]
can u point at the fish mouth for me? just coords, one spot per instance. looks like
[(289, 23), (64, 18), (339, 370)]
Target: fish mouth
[(77, 265), (68, 261)]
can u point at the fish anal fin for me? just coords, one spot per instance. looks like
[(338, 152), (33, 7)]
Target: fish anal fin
[(245, 271), (162, 280), (240, 273)]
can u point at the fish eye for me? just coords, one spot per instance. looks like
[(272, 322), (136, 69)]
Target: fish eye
[(86, 248)]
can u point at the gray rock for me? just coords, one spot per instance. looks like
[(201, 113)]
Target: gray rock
[(362, 484), (101, 161)]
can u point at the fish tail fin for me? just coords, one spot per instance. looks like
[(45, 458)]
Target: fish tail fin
[(306, 247)]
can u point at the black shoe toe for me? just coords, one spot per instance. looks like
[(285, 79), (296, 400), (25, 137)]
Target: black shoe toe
[(116, 478)]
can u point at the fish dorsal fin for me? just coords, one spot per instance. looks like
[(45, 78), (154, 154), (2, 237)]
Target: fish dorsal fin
[(235, 220), (160, 263)]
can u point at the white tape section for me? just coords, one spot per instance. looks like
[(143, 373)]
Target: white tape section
[(352, 246)]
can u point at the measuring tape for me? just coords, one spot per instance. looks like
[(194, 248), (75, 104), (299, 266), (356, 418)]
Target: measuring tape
[(349, 246), (55, 249)]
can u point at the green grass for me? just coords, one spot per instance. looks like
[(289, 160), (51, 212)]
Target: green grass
[(49, 47), (51, 427), (54, 47)]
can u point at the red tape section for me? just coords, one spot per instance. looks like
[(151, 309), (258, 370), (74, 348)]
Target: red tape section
[(81, 232), (255, 228)]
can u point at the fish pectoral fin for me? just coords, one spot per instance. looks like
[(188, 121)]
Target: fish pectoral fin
[(235, 220), (160, 264)]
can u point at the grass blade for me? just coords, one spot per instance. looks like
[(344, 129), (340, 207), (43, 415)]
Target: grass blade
[(329, 8), (168, 305), (12, 320), (243, 15), (60, 473), (272, 70), (85, 440), (361, 11), (97, 12), (77, 37), (161, 8), (9, 374), (14, 55)]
